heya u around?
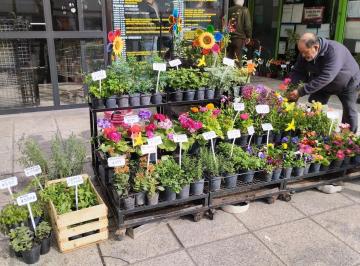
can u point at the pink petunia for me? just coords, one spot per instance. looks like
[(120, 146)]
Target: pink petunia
[(340, 155), (216, 112), (115, 136), (244, 116)]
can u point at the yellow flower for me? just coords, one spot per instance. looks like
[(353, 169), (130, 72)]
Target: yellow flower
[(270, 146), (285, 100), (118, 46), (210, 106), (291, 126), (277, 94), (317, 106), (202, 61), (199, 32), (138, 140), (289, 107), (194, 109), (206, 40), (284, 146)]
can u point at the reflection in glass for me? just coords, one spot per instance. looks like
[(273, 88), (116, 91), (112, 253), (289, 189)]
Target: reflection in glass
[(92, 14), (24, 74), (69, 66), (65, 15)]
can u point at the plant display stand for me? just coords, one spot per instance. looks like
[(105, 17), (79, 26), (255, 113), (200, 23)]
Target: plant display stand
[(79, 228)]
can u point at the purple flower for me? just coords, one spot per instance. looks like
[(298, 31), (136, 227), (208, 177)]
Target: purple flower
[(249, 150), (284, 139), (247, 92), (145, 114), (295, 140), (261, 155), (103, 123), (170, 136)]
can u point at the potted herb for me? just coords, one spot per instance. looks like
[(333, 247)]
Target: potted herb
[(134, 96), (193, 167), (140, 182), (152, 189), (249, 164), (211, 168), (12, 216), (146, 88), (97, 96), (325, 164), (203, 84), (288, 163), (43, 234), (176, 83), (121, 183), (228, 171)]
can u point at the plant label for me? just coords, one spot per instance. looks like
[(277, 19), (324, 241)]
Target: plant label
[(209, 135), (229, 62), (8, 182), (26, 199), (175, 63), (131, 119), (262, 109), (267, 127), (239, 107), (180, 138), (32, 171), (159, 66), (251, 130), (233, 134), (283, 66), (155, 141), (98, 75), (147, 149), (116, 161), (332, 115), (74, 180)]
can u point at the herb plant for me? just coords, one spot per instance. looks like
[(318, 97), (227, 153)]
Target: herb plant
[(43, 230), (21, 238)]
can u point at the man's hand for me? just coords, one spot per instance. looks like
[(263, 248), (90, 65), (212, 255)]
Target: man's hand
[(294, 96), (247, 41)]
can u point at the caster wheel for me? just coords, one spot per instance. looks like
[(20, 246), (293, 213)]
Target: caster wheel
[(120, 234), (271, 200), (211, 214), (198, 216), (287, 197)]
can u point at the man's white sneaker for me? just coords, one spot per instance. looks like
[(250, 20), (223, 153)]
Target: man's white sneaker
[(330, 189)]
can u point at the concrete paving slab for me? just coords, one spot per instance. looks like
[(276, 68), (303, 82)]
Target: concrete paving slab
[(36, 124), (146, 246), (194, 233), (304, 242), (344, 223), (180, 258), (261, 214), (109, 261), (6, 129), (352, 190), (6, 144), (6, 159), (313, 201), (239, 250)]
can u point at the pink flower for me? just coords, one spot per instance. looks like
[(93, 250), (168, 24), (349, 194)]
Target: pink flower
[(287, 81), (150, 127), (327, 147), (344, 126), (160, 117), (340, 155), (115, 136), (203, 109), (215, 48), (150, 134), (166, 124), (170, 136), (306, 149), (244, 116), (216, 112)]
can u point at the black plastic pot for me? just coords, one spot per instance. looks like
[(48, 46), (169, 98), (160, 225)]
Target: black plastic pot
[(97, 103), (33, 255), (287, 172), (268, 177), (277, 137), (153, 200), (123, 101), (258, 139), (243, 140), (156, 98), (184, 193), (177, 96), (306, 169), (111, 102), (299, 171), (145, 99), (215, 183), (189, 95), (134, 99), (218, 93), (336, 163), (197, 188), (276, 174), (18, 254), (324, 167), (230, 181), (168, 194), (315, 167), (129, 203), (140, 198), (45, 245), (248, 176), (209, 93), (200, 94), (236, 91), (346, 161), (37, 220), (357, 159)]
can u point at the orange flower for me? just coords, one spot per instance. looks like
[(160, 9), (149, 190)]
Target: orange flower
[(210, 106), (194, 109), (282, 87), (251, 68)]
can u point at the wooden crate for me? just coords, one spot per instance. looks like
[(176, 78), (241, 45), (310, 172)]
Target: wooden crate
[(77, 223)]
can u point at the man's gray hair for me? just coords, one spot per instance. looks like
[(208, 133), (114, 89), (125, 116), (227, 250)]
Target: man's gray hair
[(309, 39)]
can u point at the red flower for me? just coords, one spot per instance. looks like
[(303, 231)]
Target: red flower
[(283, 87), (205, 51), (135, 129), (160, 117), (150, 127), (287, 81)]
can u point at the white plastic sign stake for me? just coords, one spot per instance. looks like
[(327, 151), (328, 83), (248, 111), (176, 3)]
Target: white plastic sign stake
[(34, 171), (180, 139), (267, 127), (175, 63), (262, 109), (159, 67), (283, 66), (233, 134), (131, 119), (251, 132), (155, 141), (75, 181), (209, 135), (239, 107), (98, 76), (9, 183), (148, 149), (26, 200), (116, 161), (229, 62), (333, 116)]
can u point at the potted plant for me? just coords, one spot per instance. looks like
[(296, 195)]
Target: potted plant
[(249, 164), (288, 163), (12, 216), (121, 183), (97, 96), (203, 84), (211, 168), (325, 164), (152, 189), (43, 234), (299, 166), (193, 167), (140, 183), (243, 122), (175, 80), (228, 171)]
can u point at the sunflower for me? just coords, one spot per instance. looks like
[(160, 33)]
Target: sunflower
[(206, 40), (118, 45)]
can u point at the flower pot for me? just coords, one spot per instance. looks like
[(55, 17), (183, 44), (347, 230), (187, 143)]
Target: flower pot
[(315, 167), (258, 139), (248, 176), (209, 93), (134, 99), (189, 95), (336, 163), (324, 167), (123, 101), (243, 140), (152, 200), (111, 102), (276, 174), (184, 193), (307, 169), (277, 137), (18, 254), (236, 91), (218, 93), (215, 183), (145, 99), (200, 94), (97, 103), (140, 198), (156, 98), (129, 203), (230, 181), (268, 176), (32, 256), (197, 188), (299, 171), (168, 195), (287, 172), (177, 96), (45, 245), (357, 159), (346, 161)]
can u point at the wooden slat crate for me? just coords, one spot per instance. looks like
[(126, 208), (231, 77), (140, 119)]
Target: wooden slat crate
[(69, 228)]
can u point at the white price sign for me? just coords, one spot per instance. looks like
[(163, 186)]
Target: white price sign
[(26, 199), (180, 138), (332, 115), (116, 161), (233, 134), (251, 130), (32, 171), (175, 63), (209, 135), (229, 62), (239, 107), (8, 182), (155, 141), (262, 109), (98, 75), (131, 119), (147, 149), (283, 66), (74, 180), (159, 66), (267, 127)]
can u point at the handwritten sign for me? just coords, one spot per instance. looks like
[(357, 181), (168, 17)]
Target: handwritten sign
[(116, 161), (155, 141), (8, 182), (262, 109), (175, 63), (98, 75), (229, 62), (32, 171), (180, 138), (74, 180), (332, 115), (251, 130), (239, 107), (159, 66), (267, 127), (131, 119), (26, 199), (147, 149), (233, 134), (209, 135)]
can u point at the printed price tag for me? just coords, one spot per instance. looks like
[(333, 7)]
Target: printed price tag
[(27, 198), (267, 127), (239, 107), (155, 141), (116, 161), (98, 75), (229, 62), (74, 180), (283, 66), (175, 63), (131, 119), (262, 109), (209, 135), (233, 134), (8, 182), (159, 66), (32, 171), (332, 115), (180, 138), (146, 149), (251, 130)]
